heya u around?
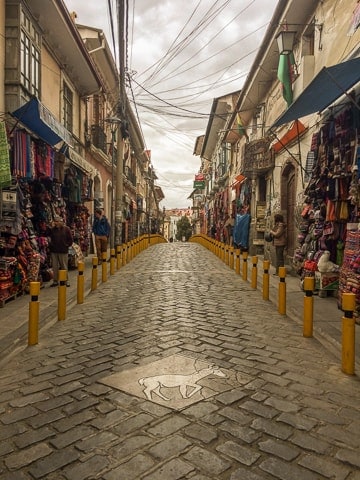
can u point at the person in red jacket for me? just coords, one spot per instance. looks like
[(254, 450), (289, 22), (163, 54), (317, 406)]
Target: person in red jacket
[(60, 240), (279, 239)]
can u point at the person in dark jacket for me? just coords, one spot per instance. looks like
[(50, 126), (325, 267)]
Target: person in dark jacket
[(279, 235), (101, 230), (60, 240)]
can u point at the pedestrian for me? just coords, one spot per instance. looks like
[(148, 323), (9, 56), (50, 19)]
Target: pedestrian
[(279, 239), (60, 239), (101, 230)]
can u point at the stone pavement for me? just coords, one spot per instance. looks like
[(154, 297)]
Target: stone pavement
[(175, 368)]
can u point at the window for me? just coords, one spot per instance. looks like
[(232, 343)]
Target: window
[(29, 57), (68, 108)]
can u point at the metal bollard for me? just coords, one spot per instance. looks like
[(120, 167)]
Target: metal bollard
[(34, 307), (309, 285), (62, 295), (237, 261), (94, 273), (266, 280), (80, 283), (282, 291), (103, 267), (112, 261), (244, 266), (348, 333), (254, 272), (118, 257)]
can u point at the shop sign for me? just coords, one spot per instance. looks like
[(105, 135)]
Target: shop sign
[(48, 118), (79, 161), (199, 184), (199, 177), (258, 156)]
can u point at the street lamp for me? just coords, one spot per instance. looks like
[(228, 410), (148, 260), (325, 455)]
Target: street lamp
[(285, 40)]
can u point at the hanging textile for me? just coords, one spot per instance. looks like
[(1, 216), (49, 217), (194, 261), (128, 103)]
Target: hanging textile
[(5, 173)]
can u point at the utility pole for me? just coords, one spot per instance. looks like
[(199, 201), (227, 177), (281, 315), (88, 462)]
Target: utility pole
[(119, 190)]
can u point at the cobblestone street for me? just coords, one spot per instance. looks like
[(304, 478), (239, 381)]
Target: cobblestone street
[(175, 368)]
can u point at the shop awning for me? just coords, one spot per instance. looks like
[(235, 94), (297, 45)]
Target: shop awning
[(323, 90), (296, 129), (38, 119)]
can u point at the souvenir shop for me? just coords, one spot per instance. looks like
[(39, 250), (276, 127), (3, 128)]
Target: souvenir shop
[(329, 235), (37, 183)]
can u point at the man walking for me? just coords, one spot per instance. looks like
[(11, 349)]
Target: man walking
[(101, 230), (60, 241)]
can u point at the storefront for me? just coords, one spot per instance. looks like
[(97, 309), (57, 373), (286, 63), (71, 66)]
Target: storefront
[(44, 182)]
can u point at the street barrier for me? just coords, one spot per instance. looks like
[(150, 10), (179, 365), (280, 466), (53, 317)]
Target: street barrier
[(103, 267), (80, 283), (118, 257), (112, 261), (254, 272), (231, 259), (348, 333), (237, 261), (309, 285), (62, 295), (266, 280), (94, 273), (282, 291), (34, 308), (245, 266)]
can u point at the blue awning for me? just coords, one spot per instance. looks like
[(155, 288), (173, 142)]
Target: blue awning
[(323, 90), (37, 118)]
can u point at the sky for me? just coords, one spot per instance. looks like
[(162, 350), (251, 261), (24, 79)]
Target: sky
[(180, 56)]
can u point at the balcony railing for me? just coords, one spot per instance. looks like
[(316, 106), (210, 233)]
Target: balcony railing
[(98, 137), (130, 175)]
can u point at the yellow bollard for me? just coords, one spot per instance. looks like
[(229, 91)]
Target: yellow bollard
[(309, 285), (34, 307), (112, 261), (254, 272), (80, 283), (124, 254), (282, 291), (103, 267), (244, 266), (231, 259), (94, 273), (62, 295), (348, 333), (237, 261), (227, 254), (266, 280), (118, 257)]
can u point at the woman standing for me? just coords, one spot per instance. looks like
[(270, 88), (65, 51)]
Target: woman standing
[(279, 234)]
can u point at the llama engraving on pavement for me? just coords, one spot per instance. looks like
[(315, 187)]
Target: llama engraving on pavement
[(187, 384)]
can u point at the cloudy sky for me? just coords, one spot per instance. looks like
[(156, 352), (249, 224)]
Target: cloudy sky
[(180, 56)]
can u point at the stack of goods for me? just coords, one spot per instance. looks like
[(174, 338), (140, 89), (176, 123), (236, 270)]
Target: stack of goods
[(349, 281), (11, 277)]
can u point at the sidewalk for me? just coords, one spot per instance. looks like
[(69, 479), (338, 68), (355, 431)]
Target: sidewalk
[(14, 314), (327, 317)]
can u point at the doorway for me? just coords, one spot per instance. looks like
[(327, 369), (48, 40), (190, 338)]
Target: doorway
[(288, 204)]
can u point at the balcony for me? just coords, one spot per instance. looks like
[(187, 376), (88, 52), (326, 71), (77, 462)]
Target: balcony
[(98, 138), (130, 175)]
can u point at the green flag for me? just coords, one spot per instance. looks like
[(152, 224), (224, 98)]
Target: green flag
[(284, 73)]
